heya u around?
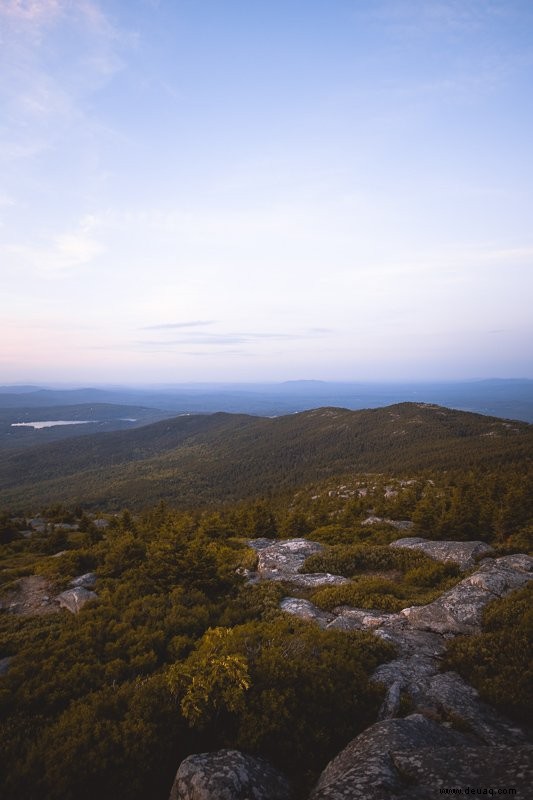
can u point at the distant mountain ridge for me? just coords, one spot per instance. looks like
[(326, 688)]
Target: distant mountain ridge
[(512, 399), (201, 458)]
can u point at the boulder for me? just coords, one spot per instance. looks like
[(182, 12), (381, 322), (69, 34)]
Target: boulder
[(87, 581), (74, 599), (261, 543), (285, 557), (464, 554), (282, 560), (458, 701), (304, 609), (365, 768), (228, 775), (311, 580)]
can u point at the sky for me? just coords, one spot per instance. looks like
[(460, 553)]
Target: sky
[(265, 190)]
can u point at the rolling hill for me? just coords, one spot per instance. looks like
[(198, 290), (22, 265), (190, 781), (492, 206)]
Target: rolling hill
[(224, 457), (16, 432)]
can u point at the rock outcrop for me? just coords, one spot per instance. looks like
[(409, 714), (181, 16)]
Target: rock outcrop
[(420, 635), (460, 609), (452, 740), (74, 599), (282, 560), (86, 581), (464, 554), (307, 610), (228, 775), (415, 757)]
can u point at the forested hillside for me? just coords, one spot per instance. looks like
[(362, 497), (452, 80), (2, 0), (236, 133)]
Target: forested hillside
[(213, 458)]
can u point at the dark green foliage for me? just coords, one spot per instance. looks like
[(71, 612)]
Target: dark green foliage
[(386, 578), (97, 719), (350, 560), (498, 661), (284, 688)]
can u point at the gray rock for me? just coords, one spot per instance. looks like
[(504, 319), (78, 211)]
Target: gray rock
[(74, 599), (313, 580), (228, 775), (460, 609), (304, 609), (464, 554), (391, 705), (473, 767), (400, 524), (282, 560), (460, 702), (285, 557), (363, 618), (87, 581), (365, 768)]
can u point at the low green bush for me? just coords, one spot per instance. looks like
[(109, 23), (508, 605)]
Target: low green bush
[(351, 560)]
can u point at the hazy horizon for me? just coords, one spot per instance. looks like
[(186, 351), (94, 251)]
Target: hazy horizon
[(245, 193), (66, 384)]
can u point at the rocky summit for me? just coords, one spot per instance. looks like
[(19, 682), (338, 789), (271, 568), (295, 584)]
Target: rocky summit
[(450, 740)]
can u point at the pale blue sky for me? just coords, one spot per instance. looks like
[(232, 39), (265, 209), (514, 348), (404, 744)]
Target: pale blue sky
[(266, 189)]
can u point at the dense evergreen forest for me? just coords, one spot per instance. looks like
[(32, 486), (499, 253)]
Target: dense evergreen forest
[(180, 654), (227, 457)]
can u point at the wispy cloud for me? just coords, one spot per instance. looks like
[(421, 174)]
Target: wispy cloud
[(239, 338), (41, 102), (61, 253), (197, 323), (31, 10), (423, 16)]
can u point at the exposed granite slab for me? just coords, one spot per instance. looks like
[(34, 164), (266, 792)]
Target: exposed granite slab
[(460, 610), (464, 554), (281, 561), (365, 769), (304, 609)]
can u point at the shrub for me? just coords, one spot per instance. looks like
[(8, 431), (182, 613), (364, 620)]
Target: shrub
[(498, 660), (349, 560)]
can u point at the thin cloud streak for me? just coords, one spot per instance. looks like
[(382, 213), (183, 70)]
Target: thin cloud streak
[(223, 339), (197, 323)]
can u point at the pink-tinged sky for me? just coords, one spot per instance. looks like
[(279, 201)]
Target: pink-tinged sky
[(265, 190)]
